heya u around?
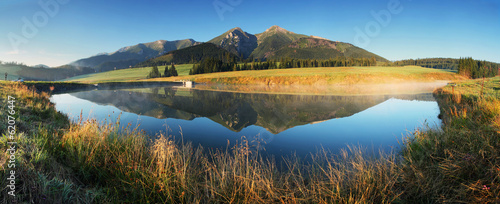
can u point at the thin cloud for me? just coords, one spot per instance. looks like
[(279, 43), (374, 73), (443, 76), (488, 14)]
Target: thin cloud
[(16, 52)]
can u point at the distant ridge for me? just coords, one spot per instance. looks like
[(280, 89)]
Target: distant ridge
[(131, 55)]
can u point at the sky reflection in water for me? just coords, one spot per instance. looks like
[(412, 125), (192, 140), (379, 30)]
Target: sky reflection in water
[(283, 123)]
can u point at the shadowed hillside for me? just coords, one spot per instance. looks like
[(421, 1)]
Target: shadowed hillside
[(130, 56)]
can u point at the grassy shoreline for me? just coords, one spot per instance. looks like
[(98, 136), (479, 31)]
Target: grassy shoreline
[(461, 163), (334, 90), (88, 162), (295, 76), (327, 76)]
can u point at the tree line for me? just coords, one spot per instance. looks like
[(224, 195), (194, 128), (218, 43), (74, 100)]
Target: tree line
[(155, 73), (436, 63), (477, 69), (465, 66), (14, 63), (212, 64)]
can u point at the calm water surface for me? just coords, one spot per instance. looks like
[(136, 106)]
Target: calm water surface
[(281, 123)]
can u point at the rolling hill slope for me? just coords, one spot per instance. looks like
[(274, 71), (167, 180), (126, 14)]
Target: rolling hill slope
[(316, 48), (126, 74), (189, 55), (132, 55), (15, 71)]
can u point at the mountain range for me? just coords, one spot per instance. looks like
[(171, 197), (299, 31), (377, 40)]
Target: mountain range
[(274, 43), (277, 42), (132, 55)]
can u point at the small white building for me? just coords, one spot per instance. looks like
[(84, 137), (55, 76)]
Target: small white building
[(187, 84)]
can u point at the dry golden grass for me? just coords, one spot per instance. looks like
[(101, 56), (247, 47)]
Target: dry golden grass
[(337, 90), (323, 76), (459, 164)]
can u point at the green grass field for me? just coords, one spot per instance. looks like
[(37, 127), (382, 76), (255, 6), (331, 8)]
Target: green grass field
[(126, 74), (306, 76)]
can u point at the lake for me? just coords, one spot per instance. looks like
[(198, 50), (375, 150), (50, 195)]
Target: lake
[(275, 124)]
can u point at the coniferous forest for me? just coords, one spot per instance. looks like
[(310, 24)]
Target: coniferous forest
[(436, 63), (477, 69), (465, 66), (210, 65)]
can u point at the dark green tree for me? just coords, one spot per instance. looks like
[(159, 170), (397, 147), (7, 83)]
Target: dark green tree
[(172, 71), (166, 73), (154, 73)]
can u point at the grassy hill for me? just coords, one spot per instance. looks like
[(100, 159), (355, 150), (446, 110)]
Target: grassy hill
[(127, 74), (16, 71), (11, 70)]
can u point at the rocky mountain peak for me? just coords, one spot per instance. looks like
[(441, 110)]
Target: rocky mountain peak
[(237, 33), (236, 28), (237, 41), (277, 29)]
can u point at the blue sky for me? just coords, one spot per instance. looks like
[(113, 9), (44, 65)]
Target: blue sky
[(82, 28)]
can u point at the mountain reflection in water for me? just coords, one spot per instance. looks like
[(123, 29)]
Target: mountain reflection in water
[(283, 123)]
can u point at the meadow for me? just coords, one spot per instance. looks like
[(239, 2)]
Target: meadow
[(89, 162), (126, 74), (296, 76), (327, 76)]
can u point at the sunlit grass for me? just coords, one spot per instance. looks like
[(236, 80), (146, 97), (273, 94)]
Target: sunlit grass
[(325, 76), (459, 163), (302, 76), (126, 74)]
